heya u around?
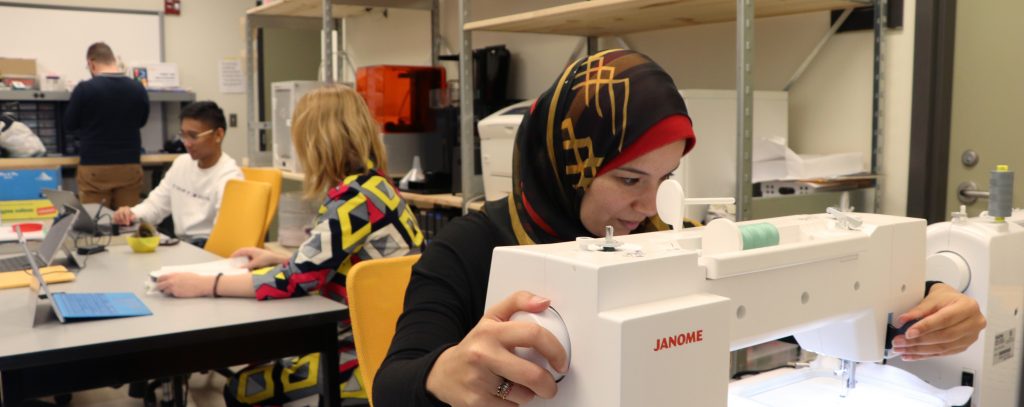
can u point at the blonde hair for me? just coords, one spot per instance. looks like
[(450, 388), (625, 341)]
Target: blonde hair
[(335, 136)]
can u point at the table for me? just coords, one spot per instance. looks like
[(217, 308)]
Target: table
[(182, 335)]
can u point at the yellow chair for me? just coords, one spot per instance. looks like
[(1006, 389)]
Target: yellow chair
[(241, 217), (271, 176), (376, 296)]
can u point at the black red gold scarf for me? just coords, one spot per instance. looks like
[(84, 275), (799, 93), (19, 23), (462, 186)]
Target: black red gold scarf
[(600, 105)]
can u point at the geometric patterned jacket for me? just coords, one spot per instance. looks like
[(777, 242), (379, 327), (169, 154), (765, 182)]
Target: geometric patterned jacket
[(363, 217)]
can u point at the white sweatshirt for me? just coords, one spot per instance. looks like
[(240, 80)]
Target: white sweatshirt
[(191, 195)]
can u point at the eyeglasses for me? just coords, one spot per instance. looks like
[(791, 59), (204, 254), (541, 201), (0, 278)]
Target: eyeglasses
[(192, 136)]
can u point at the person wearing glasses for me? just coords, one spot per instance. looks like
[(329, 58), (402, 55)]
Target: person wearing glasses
[(105, 114), (192, 189)]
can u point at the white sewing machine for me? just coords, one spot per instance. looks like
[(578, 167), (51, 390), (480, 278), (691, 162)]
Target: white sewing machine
[(651, 319), (984, 259)]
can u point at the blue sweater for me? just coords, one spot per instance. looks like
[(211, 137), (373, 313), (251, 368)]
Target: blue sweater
[(105, 114)]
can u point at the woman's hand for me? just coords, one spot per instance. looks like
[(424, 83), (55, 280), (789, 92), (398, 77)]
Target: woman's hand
[(259, 258), (470, 373), (185, 285), (949, 322)]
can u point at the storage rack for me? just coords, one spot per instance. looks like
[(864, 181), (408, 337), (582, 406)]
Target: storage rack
[(592, 19), (43, 112), (327, 16)]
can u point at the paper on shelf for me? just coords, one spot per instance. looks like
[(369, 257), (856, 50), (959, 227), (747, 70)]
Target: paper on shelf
[(792, 166)]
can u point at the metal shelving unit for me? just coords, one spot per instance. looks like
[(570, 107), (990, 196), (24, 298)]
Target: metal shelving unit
[(326, 16), (596, 18), (43, 112)]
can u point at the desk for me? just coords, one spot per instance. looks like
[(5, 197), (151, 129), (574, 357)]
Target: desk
[(182, 335)]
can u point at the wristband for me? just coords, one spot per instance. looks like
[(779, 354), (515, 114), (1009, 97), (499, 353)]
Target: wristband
[(216, 281)]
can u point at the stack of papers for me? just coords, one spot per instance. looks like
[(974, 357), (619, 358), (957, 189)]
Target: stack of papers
[(773, 161), (233, 265)]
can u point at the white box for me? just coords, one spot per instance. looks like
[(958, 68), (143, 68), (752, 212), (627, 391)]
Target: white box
[(285, 95), (497, 140)]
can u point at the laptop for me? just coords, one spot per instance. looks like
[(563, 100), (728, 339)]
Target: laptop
[(85, 223), (79, 306), (53, 242)]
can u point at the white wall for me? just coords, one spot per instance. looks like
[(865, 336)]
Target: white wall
[(205, 33)]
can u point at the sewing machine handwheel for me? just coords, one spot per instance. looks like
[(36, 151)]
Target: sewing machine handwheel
[(552, 321)]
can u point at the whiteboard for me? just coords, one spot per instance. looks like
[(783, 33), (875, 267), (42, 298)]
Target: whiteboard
[(57, 38)]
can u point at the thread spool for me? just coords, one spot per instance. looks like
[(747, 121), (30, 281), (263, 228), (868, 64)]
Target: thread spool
[(1000, 187), (724, 236)]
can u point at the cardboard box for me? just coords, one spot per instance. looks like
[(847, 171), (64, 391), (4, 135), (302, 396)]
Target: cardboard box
[(18, 66), (27, 184), (27, 209), (18, 82)]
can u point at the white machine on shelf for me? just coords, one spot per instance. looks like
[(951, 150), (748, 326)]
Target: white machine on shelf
[(710, 172), (982, 257), (497, 139), (285, 96), (651, 317)]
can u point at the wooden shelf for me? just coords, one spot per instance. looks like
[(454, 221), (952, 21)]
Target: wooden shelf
[(427, 201), (616, 17), (64, 96), (339, 8), (72, 161), (422, 201)]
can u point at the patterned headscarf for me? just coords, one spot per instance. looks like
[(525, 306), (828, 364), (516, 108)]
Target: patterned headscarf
[(598, 108)]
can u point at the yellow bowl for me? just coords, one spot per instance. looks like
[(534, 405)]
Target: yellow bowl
[(143, 244)]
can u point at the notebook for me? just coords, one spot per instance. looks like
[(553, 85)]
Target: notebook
[(79, 306), (231, 265), (52, 274)]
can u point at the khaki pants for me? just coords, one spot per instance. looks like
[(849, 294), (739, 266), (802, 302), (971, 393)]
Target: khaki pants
[(114, 185)]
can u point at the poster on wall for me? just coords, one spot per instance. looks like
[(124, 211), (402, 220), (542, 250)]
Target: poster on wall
[(232, 79)]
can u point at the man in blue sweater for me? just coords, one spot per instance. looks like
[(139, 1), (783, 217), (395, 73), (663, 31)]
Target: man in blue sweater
[(105, 114)]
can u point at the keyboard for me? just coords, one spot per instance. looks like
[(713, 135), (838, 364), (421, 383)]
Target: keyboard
[(85, 305), (16, 263)]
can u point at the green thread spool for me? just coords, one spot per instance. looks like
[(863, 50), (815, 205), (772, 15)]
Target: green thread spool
[(725, 236), (759, 235)]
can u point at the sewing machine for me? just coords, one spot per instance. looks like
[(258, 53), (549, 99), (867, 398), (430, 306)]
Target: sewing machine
[(651, 318), (981, 257)]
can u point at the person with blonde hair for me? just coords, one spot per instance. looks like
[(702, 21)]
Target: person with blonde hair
[(363, 216)]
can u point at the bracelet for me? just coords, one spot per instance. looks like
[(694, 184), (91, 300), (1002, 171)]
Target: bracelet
[(216, 280)]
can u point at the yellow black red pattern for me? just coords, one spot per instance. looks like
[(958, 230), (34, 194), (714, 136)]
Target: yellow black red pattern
[(584, 120), (364, 217)]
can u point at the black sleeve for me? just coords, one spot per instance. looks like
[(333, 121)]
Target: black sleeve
[(145, 105), (73, 111), (444, 301)]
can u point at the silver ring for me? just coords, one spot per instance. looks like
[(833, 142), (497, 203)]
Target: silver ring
[(503, 389)]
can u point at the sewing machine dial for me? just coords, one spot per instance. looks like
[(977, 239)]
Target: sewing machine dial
[(550, 320)]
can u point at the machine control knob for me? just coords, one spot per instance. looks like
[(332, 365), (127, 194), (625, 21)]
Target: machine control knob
[(548, 319), (949, 268)]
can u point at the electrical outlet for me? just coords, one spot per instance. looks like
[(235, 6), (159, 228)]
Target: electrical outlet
[(233, 120)]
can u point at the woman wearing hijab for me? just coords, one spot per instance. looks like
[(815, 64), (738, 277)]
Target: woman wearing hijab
[(591, 153)]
